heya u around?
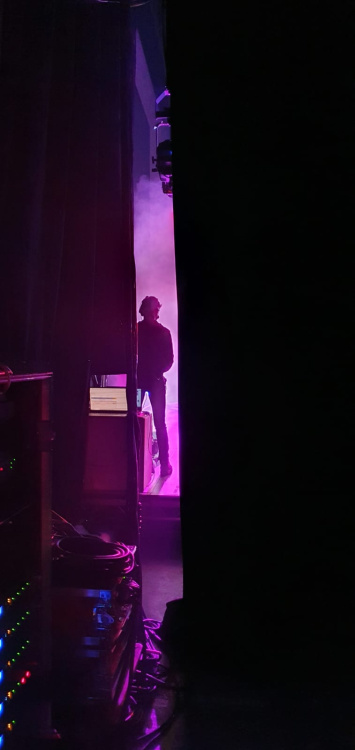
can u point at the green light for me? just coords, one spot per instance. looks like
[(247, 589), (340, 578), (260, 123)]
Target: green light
[(27, 641), (22, 618), (18, 653)]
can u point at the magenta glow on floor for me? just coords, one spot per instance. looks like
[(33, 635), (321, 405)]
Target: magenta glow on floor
[(168, 486)]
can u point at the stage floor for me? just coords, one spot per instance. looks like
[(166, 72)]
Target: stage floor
[(167, 486)]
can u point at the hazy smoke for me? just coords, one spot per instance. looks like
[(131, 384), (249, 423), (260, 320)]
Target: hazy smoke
[(155, 261)]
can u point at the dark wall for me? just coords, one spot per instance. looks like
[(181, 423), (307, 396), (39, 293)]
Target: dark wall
[(142, 164), (148, 19), (262, 106)]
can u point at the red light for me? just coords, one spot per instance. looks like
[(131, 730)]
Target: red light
[(1, 468), (27, 674), (23, 680)]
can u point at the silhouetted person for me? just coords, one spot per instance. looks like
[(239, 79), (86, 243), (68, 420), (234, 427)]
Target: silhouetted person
[(155, 357)]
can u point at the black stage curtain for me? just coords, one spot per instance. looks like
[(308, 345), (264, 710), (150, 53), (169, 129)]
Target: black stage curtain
[(262, 103), (68, 278)]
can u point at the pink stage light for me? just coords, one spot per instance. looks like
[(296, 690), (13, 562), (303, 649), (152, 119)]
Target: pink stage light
[(154, 251)]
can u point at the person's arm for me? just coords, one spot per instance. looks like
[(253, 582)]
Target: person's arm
[(168, 353)]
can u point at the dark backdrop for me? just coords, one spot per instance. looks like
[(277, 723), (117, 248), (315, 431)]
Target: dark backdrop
[(262, 115), (67, 300)]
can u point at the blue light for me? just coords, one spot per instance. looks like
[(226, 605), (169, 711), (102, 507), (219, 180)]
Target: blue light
[(106, 595), (1, 740), (1, 708), (1, 643), (1, 610), (1, 675)]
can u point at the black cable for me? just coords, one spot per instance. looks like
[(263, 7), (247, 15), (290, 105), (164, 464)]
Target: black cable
[(149, 741), (149, 622), (9, 519), (151, 626), (145, 684), (125, 670), (159, 682), (6, 372), (157, 638), (125, 3), (66, 522), (122, 676), (150, 650)]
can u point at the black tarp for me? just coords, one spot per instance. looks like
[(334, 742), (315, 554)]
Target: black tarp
[(262, 103)]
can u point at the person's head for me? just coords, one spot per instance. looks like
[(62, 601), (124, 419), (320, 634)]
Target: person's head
[(149, 308)]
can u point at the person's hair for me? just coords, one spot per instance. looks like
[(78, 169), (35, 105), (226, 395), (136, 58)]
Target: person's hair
[(149, 304)]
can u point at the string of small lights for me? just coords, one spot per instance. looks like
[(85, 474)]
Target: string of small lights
[(14, 655)]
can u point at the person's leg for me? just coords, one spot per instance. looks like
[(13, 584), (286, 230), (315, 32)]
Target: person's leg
[(157, 396), (143, 392)]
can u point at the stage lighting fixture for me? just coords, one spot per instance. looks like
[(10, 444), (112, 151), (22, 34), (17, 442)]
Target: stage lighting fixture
[(164, 153)]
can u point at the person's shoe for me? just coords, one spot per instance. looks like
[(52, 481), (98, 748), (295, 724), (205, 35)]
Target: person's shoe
[(166, 470)]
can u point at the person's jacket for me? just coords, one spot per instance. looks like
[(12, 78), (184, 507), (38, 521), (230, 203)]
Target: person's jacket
[(155, 352)]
